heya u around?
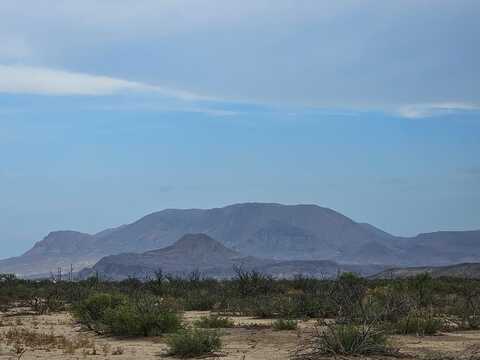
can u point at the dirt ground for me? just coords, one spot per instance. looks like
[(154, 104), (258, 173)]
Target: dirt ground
[(244, 342)]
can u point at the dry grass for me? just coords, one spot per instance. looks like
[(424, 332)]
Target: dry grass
[(21, 340)]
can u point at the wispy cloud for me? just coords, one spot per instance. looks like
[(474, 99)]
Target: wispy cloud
[(418, 111), (19, 79)]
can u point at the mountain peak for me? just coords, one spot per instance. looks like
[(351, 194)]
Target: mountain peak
[(198, 245), (61, 242), (197, 240)]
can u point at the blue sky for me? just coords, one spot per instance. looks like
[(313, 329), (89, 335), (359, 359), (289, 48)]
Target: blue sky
[(112, 110)]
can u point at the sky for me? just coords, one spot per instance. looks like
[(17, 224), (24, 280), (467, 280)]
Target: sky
[(110, 110)]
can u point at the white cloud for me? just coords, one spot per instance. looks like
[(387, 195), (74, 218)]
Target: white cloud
[(19, 79), (345, 55), (418, 111)]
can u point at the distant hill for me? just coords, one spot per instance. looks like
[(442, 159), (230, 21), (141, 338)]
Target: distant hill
[(262, 230), (465, 270), (199, 252)]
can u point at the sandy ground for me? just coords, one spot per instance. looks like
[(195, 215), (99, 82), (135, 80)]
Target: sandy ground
[(245, 342)]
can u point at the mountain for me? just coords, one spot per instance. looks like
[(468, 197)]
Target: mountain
[(465, 270), (444, 247), (199, 252), (263, 230), (59, 249), (279, 231)]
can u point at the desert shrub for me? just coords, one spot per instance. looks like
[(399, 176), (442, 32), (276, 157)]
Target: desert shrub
[(144, 316), (45, 301), (252, 283), (468, 303), (390, 302), (300, 305), (91, 311), (347, 339), (284, 324), (277, 306), (419, 324), (200, 300), (421, 288), (309, 306), (193, 342), (262, 307), (348, 295), (214, 321)]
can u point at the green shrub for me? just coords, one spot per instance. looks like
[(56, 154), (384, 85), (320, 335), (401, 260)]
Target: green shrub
[(214, 321), (200, 300), (418, 324), (305, 305), (91, 311), (121, 316), (262, 307), (352, 340), (145, 316), (193, 342), (282, 324), (421, 288)]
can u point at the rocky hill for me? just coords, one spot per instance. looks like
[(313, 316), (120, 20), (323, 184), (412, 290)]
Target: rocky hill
[(199, 252)]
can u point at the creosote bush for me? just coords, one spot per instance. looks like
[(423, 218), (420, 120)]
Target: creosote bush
[(91, 311), (418, 324), (282, 324), (193, 342), (143, 315), (214, 321)]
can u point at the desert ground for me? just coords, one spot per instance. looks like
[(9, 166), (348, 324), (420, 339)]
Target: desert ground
[(250, 339)]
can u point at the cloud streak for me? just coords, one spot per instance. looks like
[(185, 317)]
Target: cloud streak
[(419, 111), (19, 79)]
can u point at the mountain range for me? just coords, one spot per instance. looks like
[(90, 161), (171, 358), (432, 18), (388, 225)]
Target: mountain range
[(201, 253), (464, 270), (261, 230)]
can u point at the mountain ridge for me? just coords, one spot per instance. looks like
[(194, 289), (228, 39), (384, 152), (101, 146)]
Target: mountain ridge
[(462, 270), (270, 230), (201, 254)]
